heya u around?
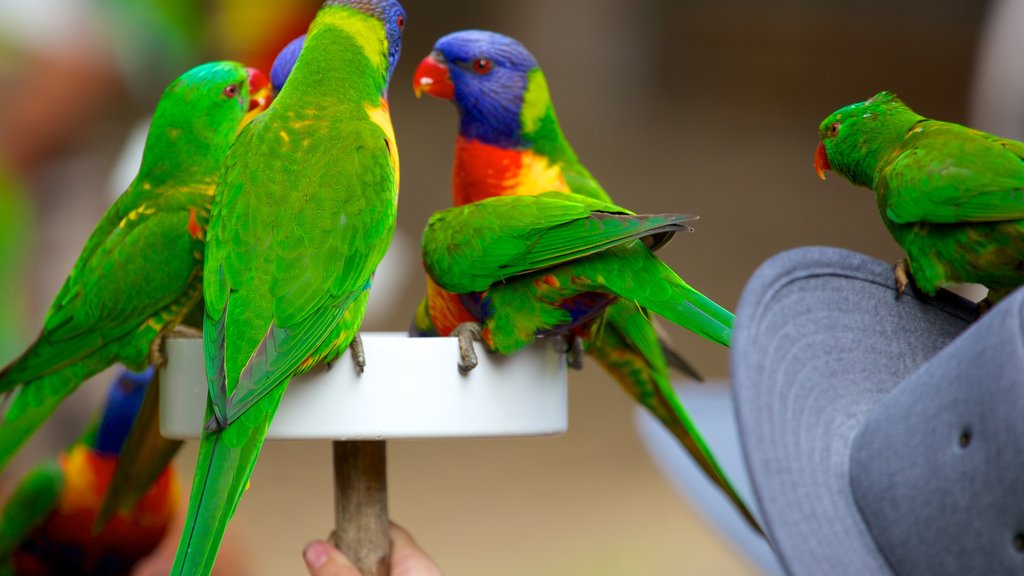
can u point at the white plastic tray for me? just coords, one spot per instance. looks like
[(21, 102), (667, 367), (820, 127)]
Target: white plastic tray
[(411, 388)]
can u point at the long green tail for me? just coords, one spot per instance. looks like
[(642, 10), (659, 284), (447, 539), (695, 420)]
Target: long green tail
[(35, 402), (636, 275), (225, 463), (627, 345)]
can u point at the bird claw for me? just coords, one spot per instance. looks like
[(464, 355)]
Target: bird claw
[(467, 332), (355, 348), (901, 272), (157, 358), (157, 348), (984, 306), (574, 351)]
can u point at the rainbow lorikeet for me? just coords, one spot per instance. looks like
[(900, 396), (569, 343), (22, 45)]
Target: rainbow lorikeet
[(46, 527), (140, 272), (949, 195), (534, 244), (302, 216)]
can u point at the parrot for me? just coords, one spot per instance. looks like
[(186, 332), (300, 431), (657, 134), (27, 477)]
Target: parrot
[(591, 274), (140, 271), (302, 216), (46, 525), (948, 194)]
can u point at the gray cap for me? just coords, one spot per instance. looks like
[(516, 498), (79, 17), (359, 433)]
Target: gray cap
[(873, 447)]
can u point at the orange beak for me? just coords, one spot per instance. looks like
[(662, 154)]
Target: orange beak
[(432, 77), (821, 160), (260, 94)]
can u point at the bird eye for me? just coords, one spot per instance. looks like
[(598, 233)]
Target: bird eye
[(833, 130), (400, 21), (231, 91), (482, 66)]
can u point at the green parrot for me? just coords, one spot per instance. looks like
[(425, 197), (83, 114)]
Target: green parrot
[(140, 271), (949, 195), (302, 216), (511, 154)]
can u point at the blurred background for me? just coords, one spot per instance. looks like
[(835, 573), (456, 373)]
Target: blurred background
[(699, 106)]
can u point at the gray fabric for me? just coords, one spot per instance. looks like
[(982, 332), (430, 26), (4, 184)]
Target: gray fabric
[(936, 469), (819, 338)]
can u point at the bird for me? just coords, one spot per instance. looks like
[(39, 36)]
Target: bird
[(949, 195), (535, 246), (302, 216), (140, 272)]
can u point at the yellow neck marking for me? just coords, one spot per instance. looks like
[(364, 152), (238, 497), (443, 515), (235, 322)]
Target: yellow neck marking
[(381, 116)]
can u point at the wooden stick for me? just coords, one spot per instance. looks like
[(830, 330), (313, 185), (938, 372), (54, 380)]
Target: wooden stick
[(361, 503)]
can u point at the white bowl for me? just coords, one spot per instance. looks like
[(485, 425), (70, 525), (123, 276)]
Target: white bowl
[(411, 388)]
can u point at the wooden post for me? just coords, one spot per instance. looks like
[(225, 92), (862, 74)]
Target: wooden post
[(361, 503)]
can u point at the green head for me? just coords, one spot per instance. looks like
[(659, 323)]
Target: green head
[(855, 139), (197, 119)]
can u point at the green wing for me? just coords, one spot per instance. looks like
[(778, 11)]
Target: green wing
[(127, 274), (470, 247), (282, 290), (32, 501), (947, 173)]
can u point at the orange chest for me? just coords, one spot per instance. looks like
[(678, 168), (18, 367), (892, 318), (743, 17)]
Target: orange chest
[(128, 537), (484, 171), (446, 309)]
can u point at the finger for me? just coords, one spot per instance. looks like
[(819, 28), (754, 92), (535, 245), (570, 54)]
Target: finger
[(322, 559), (407, 558)]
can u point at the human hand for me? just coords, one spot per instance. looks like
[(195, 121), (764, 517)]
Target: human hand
[(407, 559)]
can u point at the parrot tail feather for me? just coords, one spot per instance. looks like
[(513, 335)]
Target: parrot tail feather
[(630, 349), (651, 284), (225, 464)]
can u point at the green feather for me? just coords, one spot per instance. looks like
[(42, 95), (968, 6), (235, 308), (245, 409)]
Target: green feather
[(951, 196), (301, 219), (140, 270), (28, 506), (619, 342)]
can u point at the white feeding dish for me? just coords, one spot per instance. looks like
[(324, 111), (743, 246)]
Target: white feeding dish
[(411, 388)]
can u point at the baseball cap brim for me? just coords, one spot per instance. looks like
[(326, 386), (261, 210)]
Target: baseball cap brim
[(820, 337)]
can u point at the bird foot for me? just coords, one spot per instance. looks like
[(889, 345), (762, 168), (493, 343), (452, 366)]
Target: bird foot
[(355, 348), (467, 332), (901, 272), (984, 306), (157, 358), (574, 351)]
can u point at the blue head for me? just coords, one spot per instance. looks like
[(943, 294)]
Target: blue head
[(391, 14), (486, 75), (284, 63), (123, 402)]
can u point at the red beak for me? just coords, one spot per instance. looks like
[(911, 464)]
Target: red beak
[(821, 160), (259, 90), (432, 77)]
